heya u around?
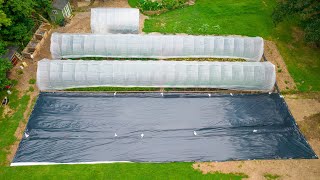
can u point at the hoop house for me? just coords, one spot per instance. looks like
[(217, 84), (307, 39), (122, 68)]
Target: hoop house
[(114, 20), (64, 74), (155, 46)]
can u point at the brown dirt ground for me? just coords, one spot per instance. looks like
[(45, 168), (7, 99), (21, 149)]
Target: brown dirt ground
[(284, 80), (80, 23), (302, 108)]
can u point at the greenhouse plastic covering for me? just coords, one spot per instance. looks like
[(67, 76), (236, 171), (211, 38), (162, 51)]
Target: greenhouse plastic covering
[(155, 46), (150, 127), (114, 20), (64, 74)]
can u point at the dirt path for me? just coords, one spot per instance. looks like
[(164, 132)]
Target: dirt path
[(80, 23), (284, 80), (302, 109)]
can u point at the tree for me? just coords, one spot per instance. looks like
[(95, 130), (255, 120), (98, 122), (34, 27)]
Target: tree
[(306, 10), (43, 7), (4, 20), (17, 22), (3, 48), (21, 15), (5, 66)]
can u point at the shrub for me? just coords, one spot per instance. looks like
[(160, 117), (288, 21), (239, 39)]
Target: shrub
[(5, 66), (61, 22), (14, 82), (149, 5), (31, 89), (19, 72), (32, 81)]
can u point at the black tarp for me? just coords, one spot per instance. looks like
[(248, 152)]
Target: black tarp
[(81, 127)]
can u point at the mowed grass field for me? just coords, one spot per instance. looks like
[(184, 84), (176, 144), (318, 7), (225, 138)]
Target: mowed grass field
[(249, 18), (112, 171)]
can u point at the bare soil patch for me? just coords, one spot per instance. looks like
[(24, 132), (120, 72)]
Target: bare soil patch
[(311, 126), (112, 3), (284, 80), (304, 109), (80, 23), (85, 6), (286, 169)]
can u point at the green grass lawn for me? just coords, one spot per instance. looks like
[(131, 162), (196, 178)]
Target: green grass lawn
[(245, 17), (303, 62), (112, 171), (9, 124)]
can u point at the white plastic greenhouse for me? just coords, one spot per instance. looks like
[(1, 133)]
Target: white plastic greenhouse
[(115, 20), (63, 74), (155, 46)]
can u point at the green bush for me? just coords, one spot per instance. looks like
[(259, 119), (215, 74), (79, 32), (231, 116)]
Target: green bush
[(14, 82), (149, 5), (31, 89), (5, 66), (61, 22), (20, 72), (32, 81)]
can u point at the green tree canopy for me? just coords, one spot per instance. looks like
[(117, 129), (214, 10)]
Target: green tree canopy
[(17, 22), (3, 47), (4, 20), (20, 17), (5, 66), (307, 10)]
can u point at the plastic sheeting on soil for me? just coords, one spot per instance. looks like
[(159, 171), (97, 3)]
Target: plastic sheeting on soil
[(86, 127), (155, 46), (57, 74), (114, 20)]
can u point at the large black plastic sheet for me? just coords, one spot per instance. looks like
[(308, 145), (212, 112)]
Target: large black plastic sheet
[(83, 127)]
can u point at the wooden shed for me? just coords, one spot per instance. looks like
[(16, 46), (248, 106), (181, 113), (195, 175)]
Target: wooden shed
[(12, 55)]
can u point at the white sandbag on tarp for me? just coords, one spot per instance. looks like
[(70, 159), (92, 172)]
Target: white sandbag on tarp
[(115, 20), (155, 46), (64, 74)]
